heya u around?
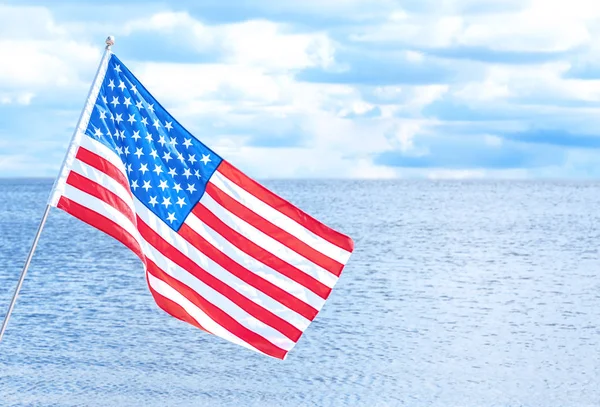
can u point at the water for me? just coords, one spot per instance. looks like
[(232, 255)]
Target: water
[(458, 294)]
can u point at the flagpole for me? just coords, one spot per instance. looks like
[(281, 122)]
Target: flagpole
[(109, 43), (33, 246)]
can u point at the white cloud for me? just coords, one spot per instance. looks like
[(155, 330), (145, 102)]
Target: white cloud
[(21, 98), (40, 23), (250, 90), (41, 54), (36, 64), (537, 25), (255, 43), (302, 163), (492, 140), (537, 83)]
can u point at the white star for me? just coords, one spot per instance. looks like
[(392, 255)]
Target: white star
[(122, 135), (187, 142), (117, 68), (148, 137), (108, 133), (192, 158), (127, 102), (197, 173), (139, 105), (133, 89), (157, 169), (136, 135), (156, 124), (138, 152), (112, 117), (126, 151), (163, 185), (205, 159), (146, 185), (119, 118), (153, 201), (121, 85), (167, 156), (151, 107), (104, 100), (153, 154), (131, 119), (162, 141), (115, 101), (177, 187), (144, 168), (187, 173), (168, 125), (98, 133), (119, 150), (172, 172), (173, 142), (180, 157), (129, 168), (134, 185), (144, 121), (171, 217), (191, 188), (111, 85), (166, 201), (180, 202), (102, 113)]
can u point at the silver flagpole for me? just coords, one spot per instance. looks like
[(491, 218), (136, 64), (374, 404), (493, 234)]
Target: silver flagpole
[(109, 43), (33, 246)]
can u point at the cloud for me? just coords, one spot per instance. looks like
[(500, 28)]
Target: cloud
[(465, 154), (255, 43), (379, 68), (536, 26), (344, 88)]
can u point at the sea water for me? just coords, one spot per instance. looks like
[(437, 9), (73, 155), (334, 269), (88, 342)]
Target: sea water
[(457, 294)]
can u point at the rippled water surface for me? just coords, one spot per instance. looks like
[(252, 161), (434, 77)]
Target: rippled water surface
[(458, 294)]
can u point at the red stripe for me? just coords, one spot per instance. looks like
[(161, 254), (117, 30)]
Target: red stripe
[(102, 223), (101, 164), (275, 232), (172, 308), (218, 315), (260, 254), (266, 287), (191, 267), (283, 206), (94, 189)]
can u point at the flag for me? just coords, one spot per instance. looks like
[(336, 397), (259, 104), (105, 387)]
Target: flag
[(220, 251)]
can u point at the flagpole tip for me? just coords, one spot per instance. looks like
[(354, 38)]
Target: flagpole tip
[(110, 41)]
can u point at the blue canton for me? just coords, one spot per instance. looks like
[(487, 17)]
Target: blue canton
[(167, 167)]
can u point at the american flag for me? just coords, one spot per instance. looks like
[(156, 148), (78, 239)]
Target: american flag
[(220, 251)]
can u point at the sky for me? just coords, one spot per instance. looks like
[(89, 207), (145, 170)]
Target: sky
[(366, 89)]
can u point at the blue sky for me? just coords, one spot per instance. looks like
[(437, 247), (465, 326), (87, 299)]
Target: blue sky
[(335, 89)]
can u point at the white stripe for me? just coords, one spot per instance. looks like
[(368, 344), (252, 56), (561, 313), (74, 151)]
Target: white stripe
[(220, 273), (103, 151), (180, 274), (255, 266), (78, 134), (169, 292), (279, 219), (107, 182), (268, 243), (217, 299), (102, 208)]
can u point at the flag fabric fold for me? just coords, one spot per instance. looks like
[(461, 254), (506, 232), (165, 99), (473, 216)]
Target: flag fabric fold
[(220, 251)]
